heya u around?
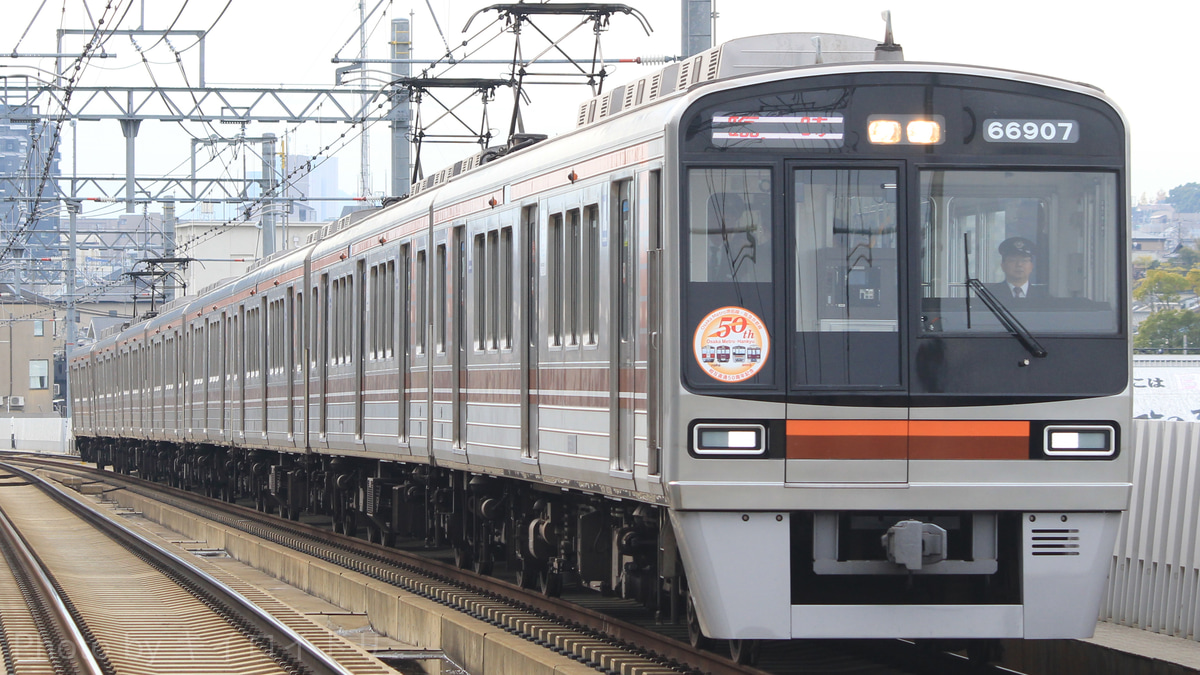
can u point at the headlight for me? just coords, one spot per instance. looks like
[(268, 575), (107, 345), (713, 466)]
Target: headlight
[(884, 131), (729, 439), (924, 132), (1079, 441)]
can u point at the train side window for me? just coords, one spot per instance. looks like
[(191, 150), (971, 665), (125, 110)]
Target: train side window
[(354, 318), (389, 310), (506, 288), (298, 331), (480, 272), (572, 276), (493, 289), (422, 301), (622, 214), (589, 274), (555, 279), (440, 298), (334, 302), (373, 302), (272, 335)]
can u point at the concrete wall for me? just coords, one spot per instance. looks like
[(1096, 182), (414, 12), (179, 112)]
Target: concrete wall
[(1154, 580), (35, 434)]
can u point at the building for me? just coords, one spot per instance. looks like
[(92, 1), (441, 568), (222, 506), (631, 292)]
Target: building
[(23, 147), (32, 346), (230, 250)]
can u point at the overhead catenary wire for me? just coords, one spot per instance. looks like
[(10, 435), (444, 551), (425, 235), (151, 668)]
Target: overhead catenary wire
[(76, 69)]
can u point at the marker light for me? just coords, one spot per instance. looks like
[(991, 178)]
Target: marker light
[(884, 131), (925, 132), (1081, 441), (729, 439)]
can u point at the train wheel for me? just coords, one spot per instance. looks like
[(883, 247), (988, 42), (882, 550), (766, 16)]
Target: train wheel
[(482, 566), (743, 652), (695, 635), (462, 556), (526, 576), (550, 583)]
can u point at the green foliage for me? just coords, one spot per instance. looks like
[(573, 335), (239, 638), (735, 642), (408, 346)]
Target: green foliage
[(1187, 258), (1168, 329), (1162, 286), (1185, 198)]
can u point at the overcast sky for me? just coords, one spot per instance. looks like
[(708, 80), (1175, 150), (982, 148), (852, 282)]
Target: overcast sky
[(1141, 57)]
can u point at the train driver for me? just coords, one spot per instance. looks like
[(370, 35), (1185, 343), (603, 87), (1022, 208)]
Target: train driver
[(1016, 260)]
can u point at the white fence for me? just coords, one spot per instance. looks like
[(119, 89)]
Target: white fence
[(35, 434), (1154, 581)]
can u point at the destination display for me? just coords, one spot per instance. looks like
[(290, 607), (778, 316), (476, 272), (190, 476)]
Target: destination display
[(812, 130)]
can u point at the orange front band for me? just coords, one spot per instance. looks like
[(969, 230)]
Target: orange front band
[(905, 439)]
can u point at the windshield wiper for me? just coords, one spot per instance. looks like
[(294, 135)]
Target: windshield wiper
[(1010, 321)]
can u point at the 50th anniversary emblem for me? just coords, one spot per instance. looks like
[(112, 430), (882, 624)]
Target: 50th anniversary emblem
[(731, 344)]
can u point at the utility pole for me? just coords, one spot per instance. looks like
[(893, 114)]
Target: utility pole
[(268, 188), (365, 176), (401, 44), (697, 28)]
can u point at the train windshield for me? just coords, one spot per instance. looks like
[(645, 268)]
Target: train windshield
[(1044, 243)]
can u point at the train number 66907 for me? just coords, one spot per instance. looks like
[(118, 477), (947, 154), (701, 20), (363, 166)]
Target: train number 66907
[(1031, 131)]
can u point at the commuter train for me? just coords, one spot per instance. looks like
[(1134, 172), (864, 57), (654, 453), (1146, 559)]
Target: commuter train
[(732, 346)]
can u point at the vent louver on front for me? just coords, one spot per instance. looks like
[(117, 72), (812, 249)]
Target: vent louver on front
[(1054, 541), (714, 62)]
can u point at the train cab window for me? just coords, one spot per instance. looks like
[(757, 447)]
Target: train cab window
[(730, 225), (845, 285), (1042, 243)]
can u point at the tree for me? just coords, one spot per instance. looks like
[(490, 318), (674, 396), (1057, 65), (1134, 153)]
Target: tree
[(1185, 198), (1187, 257), (1161, 286), (1169, 329)]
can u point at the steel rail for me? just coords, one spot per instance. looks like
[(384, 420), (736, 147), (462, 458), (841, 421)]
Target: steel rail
[(282, 638), (71, 645), (366, 558)]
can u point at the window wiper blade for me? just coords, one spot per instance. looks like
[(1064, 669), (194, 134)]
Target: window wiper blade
[(1006, 317)]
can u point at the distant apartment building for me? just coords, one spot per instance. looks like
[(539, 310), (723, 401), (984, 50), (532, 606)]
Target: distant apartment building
[(228, 250), (23, 162), (33, 335)]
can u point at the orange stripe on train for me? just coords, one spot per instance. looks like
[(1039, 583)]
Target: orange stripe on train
[(904, 439)]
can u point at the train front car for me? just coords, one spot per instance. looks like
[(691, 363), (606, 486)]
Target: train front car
[(875, 436)]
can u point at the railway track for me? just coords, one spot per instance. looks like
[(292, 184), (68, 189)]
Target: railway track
[(134, 605), (594, 636)]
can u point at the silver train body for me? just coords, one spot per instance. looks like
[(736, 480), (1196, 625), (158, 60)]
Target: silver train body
[(841, 435)]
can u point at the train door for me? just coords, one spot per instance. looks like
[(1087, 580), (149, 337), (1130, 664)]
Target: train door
[(459, 369), (529, 314), (420, 370), (323, 357), (263, 369), (243, 371), (843, 330), (229, 360), (651, 209), (295, 385), (360, 353), (403, 344), (622, 389)]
